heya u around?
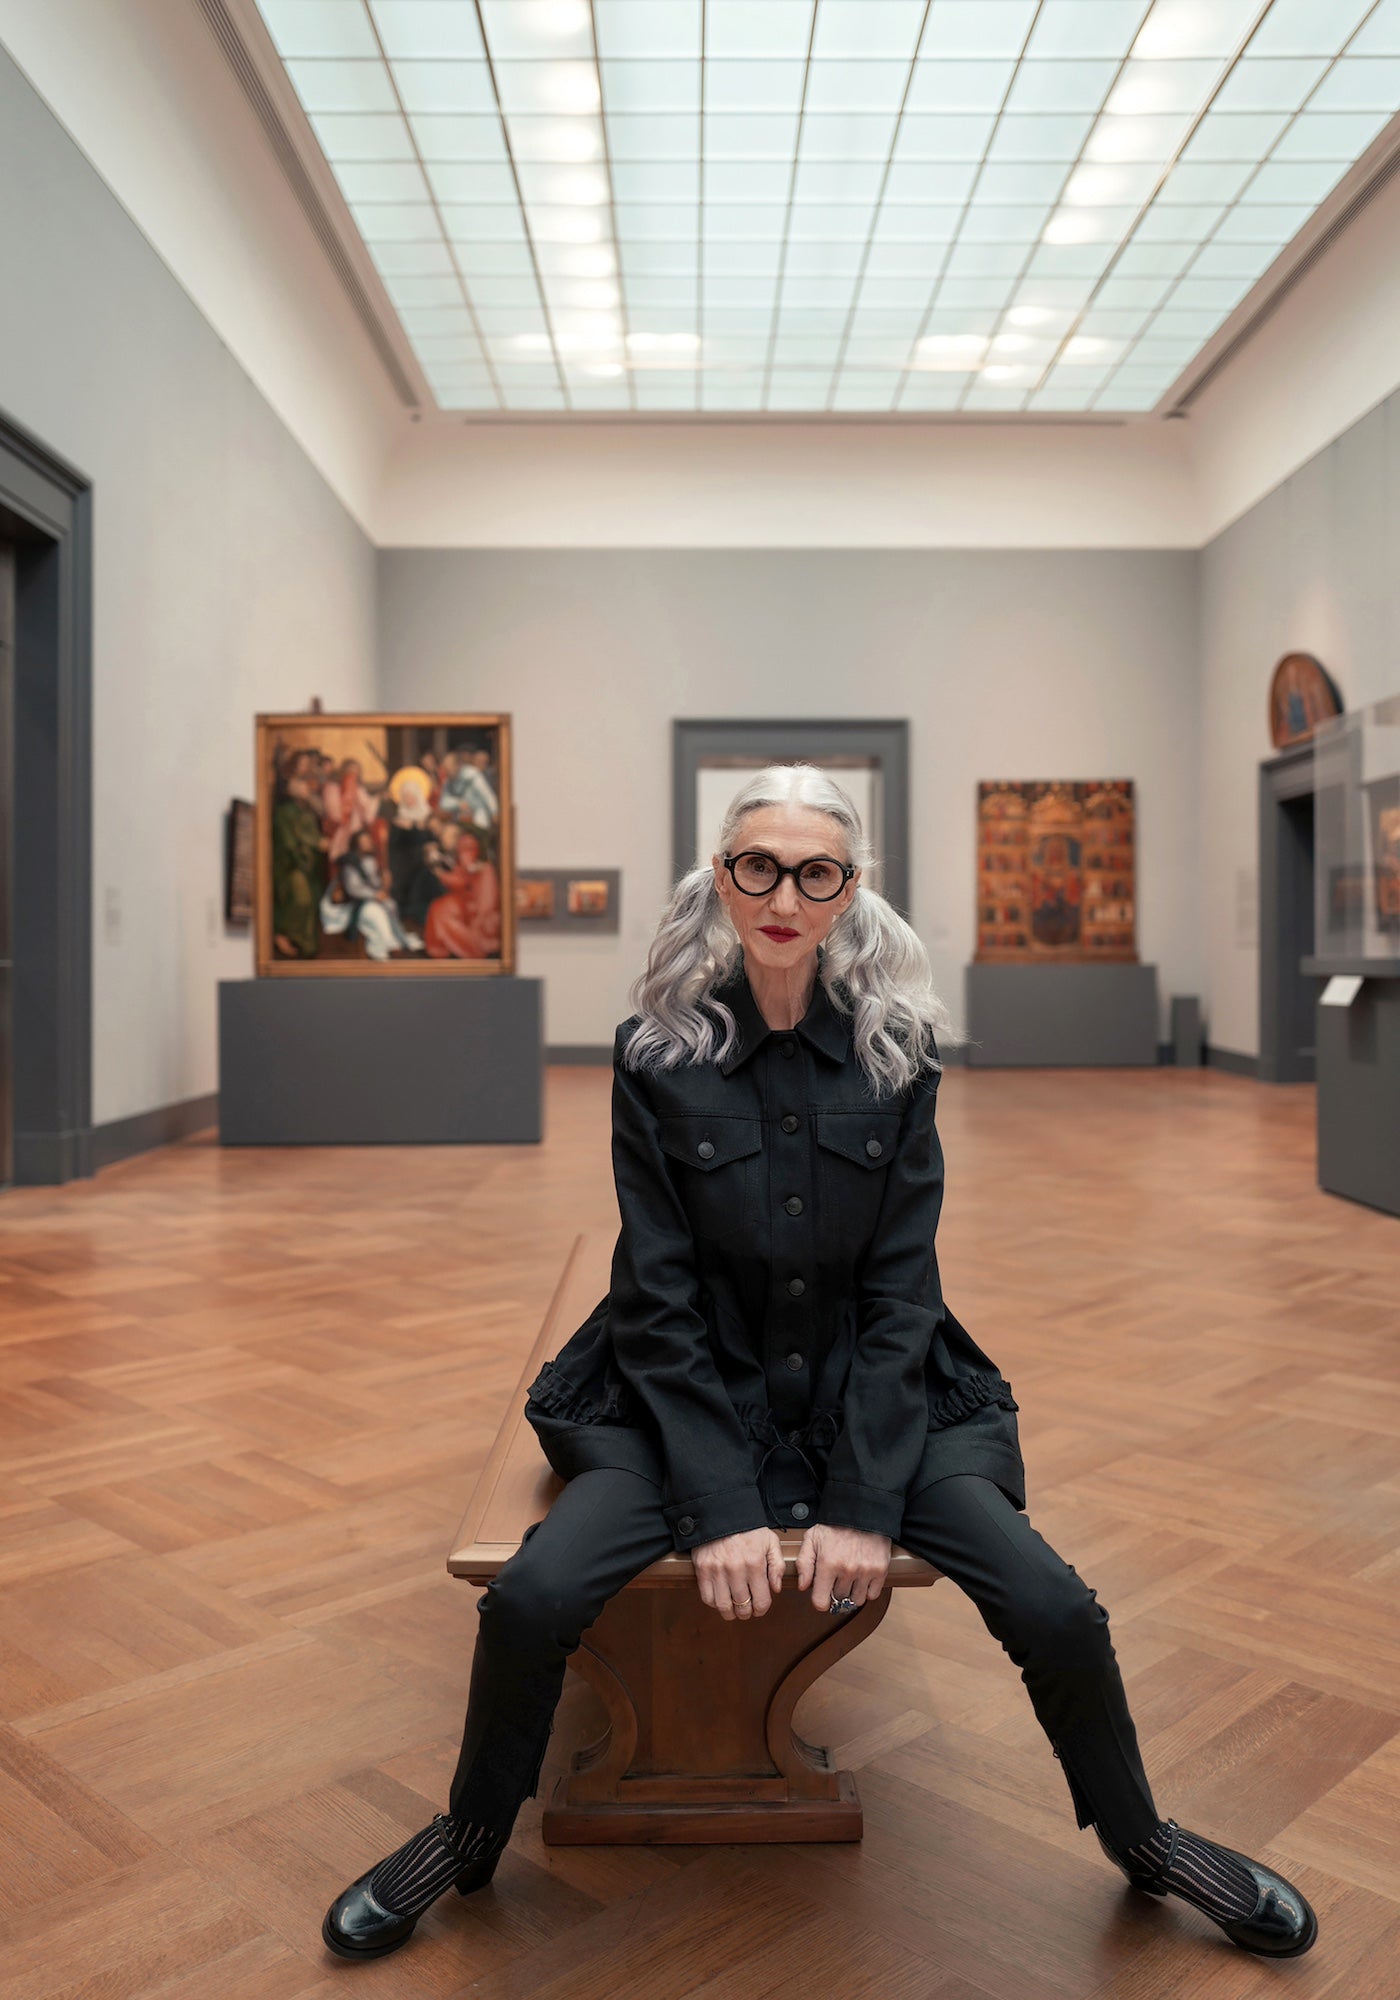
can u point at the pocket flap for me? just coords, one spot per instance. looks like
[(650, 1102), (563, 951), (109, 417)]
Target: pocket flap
[(866, 1137), (708, 1141)]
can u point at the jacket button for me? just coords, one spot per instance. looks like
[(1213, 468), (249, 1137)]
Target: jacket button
[(874, 1148), (794, 1361), (797, 1286), (706, 1150), (788, 1048), (793, 1204), (800, 1510), (686, 1523), (789, 1123)]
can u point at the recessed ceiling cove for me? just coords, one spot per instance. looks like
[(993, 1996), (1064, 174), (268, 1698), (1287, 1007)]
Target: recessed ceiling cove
[(829, 206)]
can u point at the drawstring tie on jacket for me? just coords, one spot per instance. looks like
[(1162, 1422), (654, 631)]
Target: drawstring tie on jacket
[(819, 1432)]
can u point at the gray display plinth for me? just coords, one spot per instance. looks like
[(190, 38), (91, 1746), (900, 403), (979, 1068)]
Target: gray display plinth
[(1088, 1016), (1358, 1085), (381, 1061)]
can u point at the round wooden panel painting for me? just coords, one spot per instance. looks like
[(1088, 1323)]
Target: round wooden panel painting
[(1301, 694)]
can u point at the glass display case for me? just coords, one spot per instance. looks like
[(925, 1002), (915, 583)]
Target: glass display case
[(1356, 776)]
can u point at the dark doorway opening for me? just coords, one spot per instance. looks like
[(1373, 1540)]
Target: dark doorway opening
[(1287, 995), (45, 812)]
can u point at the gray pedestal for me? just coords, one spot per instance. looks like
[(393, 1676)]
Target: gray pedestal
[(1088, 1016), (381, 1061), (1358, 1086)]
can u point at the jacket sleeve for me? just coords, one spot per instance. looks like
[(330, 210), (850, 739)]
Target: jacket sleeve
[(899, 1304), (660, 1337)]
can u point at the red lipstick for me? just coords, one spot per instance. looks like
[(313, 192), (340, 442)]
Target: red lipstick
[(777, 932)]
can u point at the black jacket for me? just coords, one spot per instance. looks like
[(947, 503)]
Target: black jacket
[(774, 1286)]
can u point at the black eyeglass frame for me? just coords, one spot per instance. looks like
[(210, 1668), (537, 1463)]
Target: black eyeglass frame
[(792, 868)]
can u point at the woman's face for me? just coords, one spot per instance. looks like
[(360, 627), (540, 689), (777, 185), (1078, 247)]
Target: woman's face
[(783, 929)]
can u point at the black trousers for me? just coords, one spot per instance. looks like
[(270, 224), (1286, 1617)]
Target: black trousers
[(607, 1525)]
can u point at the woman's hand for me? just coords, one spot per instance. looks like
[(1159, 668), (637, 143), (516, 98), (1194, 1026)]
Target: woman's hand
[(841, 1562), (735, 1567)]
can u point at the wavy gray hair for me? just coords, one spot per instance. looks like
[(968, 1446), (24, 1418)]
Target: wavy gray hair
[(873, 964)]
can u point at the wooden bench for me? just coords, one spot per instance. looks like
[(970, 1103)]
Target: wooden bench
[(699, 1743)]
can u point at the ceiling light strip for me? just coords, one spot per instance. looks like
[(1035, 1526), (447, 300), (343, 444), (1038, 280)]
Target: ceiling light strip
[(520, 199), (767, 388), (854, 307), (623, 308), (448, 244)]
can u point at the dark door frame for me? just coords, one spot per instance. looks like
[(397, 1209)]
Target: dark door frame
[(784, 742), (46, 511), (1289, 775)]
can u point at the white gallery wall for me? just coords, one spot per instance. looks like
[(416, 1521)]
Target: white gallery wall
[(227, 578)]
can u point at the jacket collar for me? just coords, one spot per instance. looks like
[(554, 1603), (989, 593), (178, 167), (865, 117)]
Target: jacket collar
[(821, 1027)]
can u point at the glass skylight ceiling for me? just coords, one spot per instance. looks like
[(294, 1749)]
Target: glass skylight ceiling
[(829, 205)]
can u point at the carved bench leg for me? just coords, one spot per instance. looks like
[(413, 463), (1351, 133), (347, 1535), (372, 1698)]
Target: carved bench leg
[(699, 1743)]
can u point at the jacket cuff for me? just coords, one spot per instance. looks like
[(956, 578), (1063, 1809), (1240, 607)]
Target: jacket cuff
[(710, 1515), (875, 1510)]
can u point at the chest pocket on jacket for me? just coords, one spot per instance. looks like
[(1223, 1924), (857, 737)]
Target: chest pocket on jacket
[(854, 1150), (724, 1158)]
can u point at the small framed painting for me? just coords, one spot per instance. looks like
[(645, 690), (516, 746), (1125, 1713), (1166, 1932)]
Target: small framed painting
[(385, 845), (568, 900)]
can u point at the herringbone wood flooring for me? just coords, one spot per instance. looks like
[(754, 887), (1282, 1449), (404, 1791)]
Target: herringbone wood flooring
[(243, 1399)]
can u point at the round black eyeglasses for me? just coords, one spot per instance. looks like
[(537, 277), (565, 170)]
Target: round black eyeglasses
[(755, 873)]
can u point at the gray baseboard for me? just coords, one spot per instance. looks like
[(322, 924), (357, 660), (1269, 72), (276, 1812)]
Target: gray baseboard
[(123, 1138), (1231, 1060)]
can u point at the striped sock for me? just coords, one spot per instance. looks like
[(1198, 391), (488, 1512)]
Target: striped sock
[(420, 1871), (1202, 1873)]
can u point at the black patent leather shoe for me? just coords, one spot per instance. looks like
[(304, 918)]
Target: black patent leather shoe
[(357, 1925), (1282, 1924)]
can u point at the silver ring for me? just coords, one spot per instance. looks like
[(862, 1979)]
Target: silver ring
[(841, 1603)]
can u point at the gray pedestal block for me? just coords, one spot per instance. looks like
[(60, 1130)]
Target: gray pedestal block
[(381, 1061), (1358, 1088), (1088, 1016)]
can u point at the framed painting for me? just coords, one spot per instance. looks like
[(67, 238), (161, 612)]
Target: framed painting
[(1056, 872), (385, 845), (238, 863)]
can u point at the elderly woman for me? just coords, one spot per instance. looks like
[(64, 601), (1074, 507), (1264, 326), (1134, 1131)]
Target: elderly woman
[(774, 1349)]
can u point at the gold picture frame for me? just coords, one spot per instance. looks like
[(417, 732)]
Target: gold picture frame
[(385, 845)]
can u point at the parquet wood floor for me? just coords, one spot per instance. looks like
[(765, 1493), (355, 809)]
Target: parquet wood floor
[(243, 1397)]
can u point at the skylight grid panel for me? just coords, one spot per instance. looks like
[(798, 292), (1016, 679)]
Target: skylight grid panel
[(318, 28), (822, 258), (525, 28), (815, 321), (652, 222), (472, 181), (1306, 181), (380, 180), (1028, 181), (860, 393), (804, 292), (476, 258), (943, 135), (652, 87), (806, 350), (855, 86), (931, 181), (1360, 83), (1154, 88), (730, 395), (447, 136), (410, 291), (757, 27), (1330, 135), (1270, 83), (867, 28), (656, 180), (879, 350), (1039, 135), (1235, 135), (1205, 181), (916, 222), (1117, 290), (998, 223), (640, 28), (348, 135), (1188, 28), (1307, 27), (492, 292), (791, 389), (749, 135), (748, 322), (396, 222), (483, 222), (419, 321), (962, 87), (1087, 28), (749, 292), (847, 224), (893, 294), (1261, 224), (850, 181), (343, 86), (427, 259), (847, 136), (1233, 260), (736, 182), (1065, 86), (750, 87), (573, 140), (638, 136), (1154, 136), (730, 258), (969, 258), (428, 28), (1380, 36), (1175, 222), (984, 398), (444, 86), (1217, 294), (1141, 259), (975, 292)]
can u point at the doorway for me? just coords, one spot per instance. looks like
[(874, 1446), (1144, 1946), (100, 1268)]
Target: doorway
[(1287, 995), (46, 805)]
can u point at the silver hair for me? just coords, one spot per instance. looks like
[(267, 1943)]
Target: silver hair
[(873, 964)]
